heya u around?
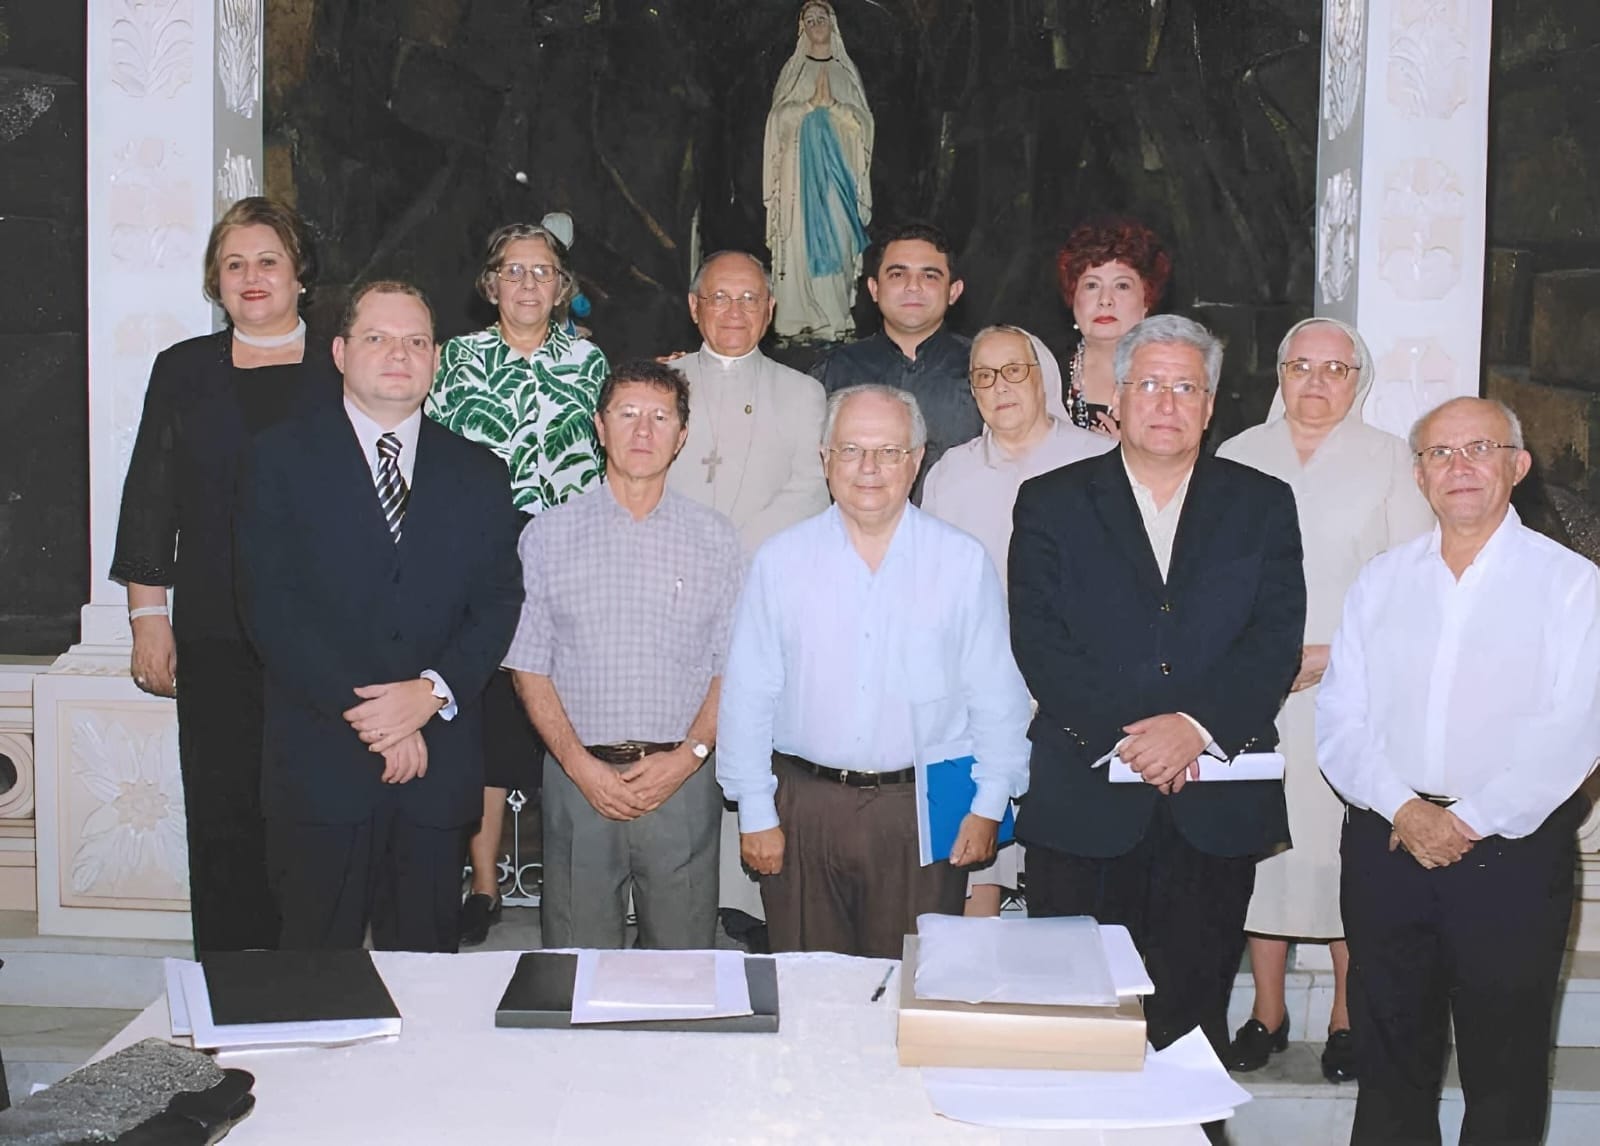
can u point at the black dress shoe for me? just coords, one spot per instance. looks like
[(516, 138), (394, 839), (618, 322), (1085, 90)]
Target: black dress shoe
[(478, 914), (1253, 1045), (1339, 1057)]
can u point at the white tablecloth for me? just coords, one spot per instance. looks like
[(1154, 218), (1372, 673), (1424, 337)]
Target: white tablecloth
[(829, 1076)]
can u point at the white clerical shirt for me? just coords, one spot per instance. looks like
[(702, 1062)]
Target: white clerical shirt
[(1485, 690), (853, 669)]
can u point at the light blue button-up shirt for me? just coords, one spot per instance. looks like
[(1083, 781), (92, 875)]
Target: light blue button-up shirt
[(860, 670)]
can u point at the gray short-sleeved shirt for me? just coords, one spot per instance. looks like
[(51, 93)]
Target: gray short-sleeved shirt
[(628, 618)]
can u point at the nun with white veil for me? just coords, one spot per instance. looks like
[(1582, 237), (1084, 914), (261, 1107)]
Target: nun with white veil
[(1356, 496), (1016, 383), (816, 181)]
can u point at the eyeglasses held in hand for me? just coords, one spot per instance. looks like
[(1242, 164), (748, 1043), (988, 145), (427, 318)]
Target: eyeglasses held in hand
[(983, 377), (1181, 391), (1301, 369), (1437, 457), (887, 456), (722, 300), (541, 272)]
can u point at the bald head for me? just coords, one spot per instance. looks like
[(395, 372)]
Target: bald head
[(1508, 429), (731, 302), (1469, 459)]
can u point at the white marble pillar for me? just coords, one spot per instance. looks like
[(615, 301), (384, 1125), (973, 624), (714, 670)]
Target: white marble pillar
[(174, 107), (1402, 193)]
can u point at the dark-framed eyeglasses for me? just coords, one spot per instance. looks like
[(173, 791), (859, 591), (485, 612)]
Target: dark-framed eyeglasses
[(1438, 457), (887, 456), (1301, 369), (983, 377), (539, 272), (746, 301)]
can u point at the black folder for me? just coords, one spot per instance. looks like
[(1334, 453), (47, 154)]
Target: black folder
[(294, 987), (540, 995)]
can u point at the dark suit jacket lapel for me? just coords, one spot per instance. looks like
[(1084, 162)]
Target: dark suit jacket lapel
[(1112, 497), (1202, 510), (430, 490), (352, 495)]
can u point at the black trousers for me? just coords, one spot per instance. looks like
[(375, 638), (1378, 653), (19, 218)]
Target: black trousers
[(231, 906), (1479, 942), (1184, 908), (333, 880)]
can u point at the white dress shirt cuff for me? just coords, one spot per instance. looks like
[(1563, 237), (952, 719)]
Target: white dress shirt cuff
[(991, 799), (1468, 814), (442, 691), (757, 813), (1211, 748), (1389, 796)]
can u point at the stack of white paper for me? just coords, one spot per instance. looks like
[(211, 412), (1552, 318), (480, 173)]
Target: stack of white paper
[(189, 1008), (653, 986), (1050, 962), (1180, 1086)]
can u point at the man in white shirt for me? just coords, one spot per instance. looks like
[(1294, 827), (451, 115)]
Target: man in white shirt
[(865, 637), (1459, 715)]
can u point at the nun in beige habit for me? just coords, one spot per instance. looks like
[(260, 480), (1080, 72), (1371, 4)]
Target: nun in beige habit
[(1356, 496)]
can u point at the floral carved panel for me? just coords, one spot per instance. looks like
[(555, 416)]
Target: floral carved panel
[(1430, 69), (239, 54), (1413, 376), (1337, 235), (1421, 232), (152, 46), (152, 207), (1345, 35), (122, 840)]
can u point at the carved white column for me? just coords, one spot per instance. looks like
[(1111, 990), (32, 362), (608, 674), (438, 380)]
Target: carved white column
[(174, 107), (1402, 193)]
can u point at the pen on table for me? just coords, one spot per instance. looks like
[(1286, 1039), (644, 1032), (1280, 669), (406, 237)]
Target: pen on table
[(883, 985)]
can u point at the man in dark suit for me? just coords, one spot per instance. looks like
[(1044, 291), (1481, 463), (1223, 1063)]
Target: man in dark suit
[(379, 581), (1157, 608)]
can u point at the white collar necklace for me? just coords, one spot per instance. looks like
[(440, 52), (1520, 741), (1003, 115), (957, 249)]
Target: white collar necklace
[(272, 341)]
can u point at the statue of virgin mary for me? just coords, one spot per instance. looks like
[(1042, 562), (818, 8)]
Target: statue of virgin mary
[(816, 181)]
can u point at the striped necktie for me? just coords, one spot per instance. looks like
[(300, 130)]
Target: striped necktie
[(392, 491)]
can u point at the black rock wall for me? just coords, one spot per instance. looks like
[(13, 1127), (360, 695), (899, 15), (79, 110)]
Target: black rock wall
[(44, 403)]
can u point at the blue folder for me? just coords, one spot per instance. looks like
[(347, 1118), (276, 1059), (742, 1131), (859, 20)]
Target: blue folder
[(946, 797)]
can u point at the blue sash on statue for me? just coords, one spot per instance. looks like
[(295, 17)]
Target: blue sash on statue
[(825, 178)]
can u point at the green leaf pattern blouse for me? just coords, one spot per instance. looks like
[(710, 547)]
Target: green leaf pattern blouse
[(537, 414)]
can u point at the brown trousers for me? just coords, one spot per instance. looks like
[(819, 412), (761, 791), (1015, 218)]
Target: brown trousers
[(851, 882)]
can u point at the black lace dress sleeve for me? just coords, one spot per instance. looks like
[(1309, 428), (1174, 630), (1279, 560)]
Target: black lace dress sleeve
[(147, 529)]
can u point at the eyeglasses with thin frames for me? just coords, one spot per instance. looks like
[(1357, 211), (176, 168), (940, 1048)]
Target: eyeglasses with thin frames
[(1301, 369), (1438, 457), (722, 300), (983, 377), (540, 272), (1181, 390), (887, 456)]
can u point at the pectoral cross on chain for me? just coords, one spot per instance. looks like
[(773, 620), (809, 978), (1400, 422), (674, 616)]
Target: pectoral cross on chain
[(711, 461)]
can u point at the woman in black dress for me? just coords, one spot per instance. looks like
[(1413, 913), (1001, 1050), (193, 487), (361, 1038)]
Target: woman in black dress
[(206, 397)]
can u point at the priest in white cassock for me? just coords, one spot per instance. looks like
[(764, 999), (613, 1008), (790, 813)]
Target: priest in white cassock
[(752, 446)]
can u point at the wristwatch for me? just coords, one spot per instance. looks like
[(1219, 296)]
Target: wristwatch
[(700, 749)]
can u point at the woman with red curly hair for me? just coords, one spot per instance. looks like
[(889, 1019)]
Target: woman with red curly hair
[(1112, 272)]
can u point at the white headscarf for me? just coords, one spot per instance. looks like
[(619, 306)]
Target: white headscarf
[(1049, 368)]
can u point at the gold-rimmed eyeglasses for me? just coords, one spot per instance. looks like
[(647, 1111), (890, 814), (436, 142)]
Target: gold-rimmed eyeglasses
[(1437, 457), (888, 456), (1301, 369), (983, 377), (539, 272)]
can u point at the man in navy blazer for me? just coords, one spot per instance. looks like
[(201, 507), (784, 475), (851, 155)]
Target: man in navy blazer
[(1157, 608), (379, 582)]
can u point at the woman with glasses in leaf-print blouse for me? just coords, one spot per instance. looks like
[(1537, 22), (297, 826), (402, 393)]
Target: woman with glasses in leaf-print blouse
[(525, 388)]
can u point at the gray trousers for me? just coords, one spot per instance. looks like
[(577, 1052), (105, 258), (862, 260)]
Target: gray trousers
[(667, 858)]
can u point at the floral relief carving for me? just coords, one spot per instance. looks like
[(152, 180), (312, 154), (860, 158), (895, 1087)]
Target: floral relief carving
[(239, 54), (130, 841), (152, 46), (136, 340), (152, 207), (1344, 68), (1413, 376), (1336, 240), (1429, 68), (1420, 234), (236, 179), (17, 802)]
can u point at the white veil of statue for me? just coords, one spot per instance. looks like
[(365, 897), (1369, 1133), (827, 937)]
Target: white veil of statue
[(816, 182)]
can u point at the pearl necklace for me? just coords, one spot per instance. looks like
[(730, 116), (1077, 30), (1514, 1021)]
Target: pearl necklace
[(272, 341)]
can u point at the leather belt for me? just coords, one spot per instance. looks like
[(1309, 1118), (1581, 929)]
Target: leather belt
[(1440, 801), (628, 751), (850, 778)]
